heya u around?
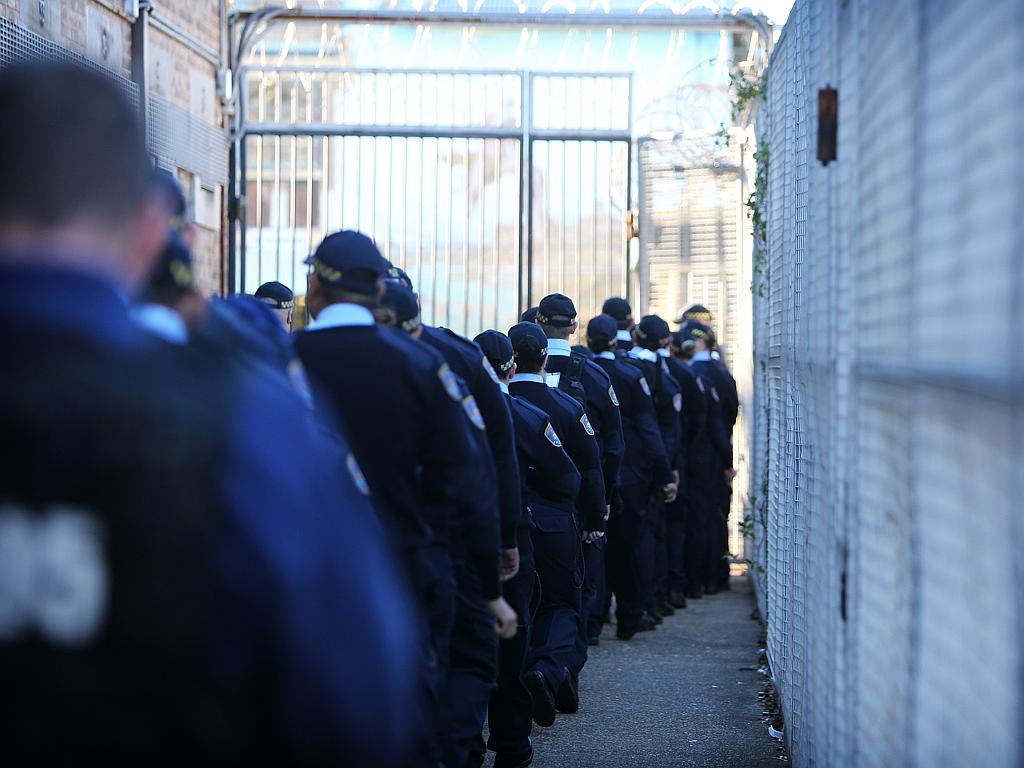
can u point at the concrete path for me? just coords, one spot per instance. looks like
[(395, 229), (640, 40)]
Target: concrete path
[(685, 694)]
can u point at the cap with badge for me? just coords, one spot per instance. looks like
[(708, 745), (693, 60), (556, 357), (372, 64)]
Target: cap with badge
[(497, 348), (396, 274), (349, 260), (170, 190), (529, 315), (174, 271), (277, 295), (602, 328), (556, 310), (693, 330), (618, 308), (404, 303), (528, 341), (696, 312), (653, 327)]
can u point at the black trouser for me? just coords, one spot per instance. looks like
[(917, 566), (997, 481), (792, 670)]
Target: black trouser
[(629, 556), (472, 673), (556, 552), (659, 538), (702, 526), (510, 716), (675, 532), (590, 609)]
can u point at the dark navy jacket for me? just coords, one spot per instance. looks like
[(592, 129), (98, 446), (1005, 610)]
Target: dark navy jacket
[(250, 603), (645, 460), (694, 415), (668, 399), (409, 425), (601, 408), (466, 360), (725, 385), (548, 474), (712, 452), (575, 433)]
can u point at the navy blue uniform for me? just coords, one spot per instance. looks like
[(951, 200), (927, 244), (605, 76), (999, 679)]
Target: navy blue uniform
[(215, 553), (645, 471), (557, 533), (473, 662), (602, 409), (547, 473), (418, 438)]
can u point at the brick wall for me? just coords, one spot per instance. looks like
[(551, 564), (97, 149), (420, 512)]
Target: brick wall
[(101, 31)]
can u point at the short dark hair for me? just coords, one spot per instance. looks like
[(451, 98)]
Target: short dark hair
[(72, 146)]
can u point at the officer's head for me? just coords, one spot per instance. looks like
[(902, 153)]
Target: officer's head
[(530, 315), (530, 346), (346, 268), (619, 309), (76, 187), (652, 333), (696, 332), (697, 312), (280, 298), (168, 191), (403, 307), (601, 331), (172, 283), (556, 315), (497, 348)]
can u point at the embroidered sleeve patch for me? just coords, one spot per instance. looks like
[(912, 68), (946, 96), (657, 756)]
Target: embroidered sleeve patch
[(645, 386), (677, 402), (450, 381), (357, 475), (490, 371), (552, 436), (473, 412), (586, 424), (614, 398), (700, 384), (714, 394)]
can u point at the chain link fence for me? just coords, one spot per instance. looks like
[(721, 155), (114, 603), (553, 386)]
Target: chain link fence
[(887, 433)]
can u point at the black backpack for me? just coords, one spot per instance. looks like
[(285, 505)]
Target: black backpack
[(571, 382)]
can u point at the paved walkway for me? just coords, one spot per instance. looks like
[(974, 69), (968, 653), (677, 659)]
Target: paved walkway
[(682, 695)]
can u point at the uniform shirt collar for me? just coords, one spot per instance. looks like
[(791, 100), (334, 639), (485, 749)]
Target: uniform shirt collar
[(715, 355), (643, 354), (606, 355), (342, 316), (503, 387), (559, 348), (702, 355), (161, 321), (662, 352), (624, 336), (536, 378)]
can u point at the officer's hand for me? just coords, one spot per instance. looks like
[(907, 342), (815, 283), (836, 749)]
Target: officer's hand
[(675, 477), (589, 537), (505, 618), (730, 473), (607, 512), (670, 491), (509, 563)]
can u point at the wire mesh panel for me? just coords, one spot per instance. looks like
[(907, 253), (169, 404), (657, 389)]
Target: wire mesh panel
[(888, 434)]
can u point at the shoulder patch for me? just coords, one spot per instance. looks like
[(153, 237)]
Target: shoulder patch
[(677, 402), (490, 371), (357, 475), (714, 394), (586, 424), (450, 381), (614, 398), (473, 412), (552, 436), (645, 386), (700, 384)]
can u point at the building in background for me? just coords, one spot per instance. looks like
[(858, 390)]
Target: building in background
[(167, 53)]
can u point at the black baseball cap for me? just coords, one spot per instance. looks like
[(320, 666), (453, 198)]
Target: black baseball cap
[(602, 328), (497, 348), (403, 303), (556, 310), (397, 274), (174, 271), (529, 341), (276, 294), (653, 327), (349, 260), (695, 312), (618, 308), (693, 330), (529, 315)]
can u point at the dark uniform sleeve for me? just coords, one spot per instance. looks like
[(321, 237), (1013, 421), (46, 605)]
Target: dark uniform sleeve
[(715, 427), (551, 471), (502, 442), (458, 474), (581, 445), (695, 407), (613, 442), (647, 426), (301, 557)]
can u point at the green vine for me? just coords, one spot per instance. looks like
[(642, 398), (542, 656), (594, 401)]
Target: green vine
[(758, 216)]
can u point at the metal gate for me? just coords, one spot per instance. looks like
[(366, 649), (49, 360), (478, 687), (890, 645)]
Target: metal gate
[(432, 165)]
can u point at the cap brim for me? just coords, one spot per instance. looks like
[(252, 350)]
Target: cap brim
[(309, 259)]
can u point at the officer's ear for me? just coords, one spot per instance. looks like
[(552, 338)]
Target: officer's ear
[(573, 326), (145, 235)]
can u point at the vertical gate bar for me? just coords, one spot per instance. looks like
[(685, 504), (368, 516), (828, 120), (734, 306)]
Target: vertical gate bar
[(275, 207), (423, 213), (359, 180), (405, 204), (497, 226), (342, 178), (525, 262), (629, 207), (482, 209), (562, 238), (451, 226), (294, 184), (610, 220), (259, 212), (579, 220), (309, 212), (465, 250), (434, 244), (390, 191), (595, 296)]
